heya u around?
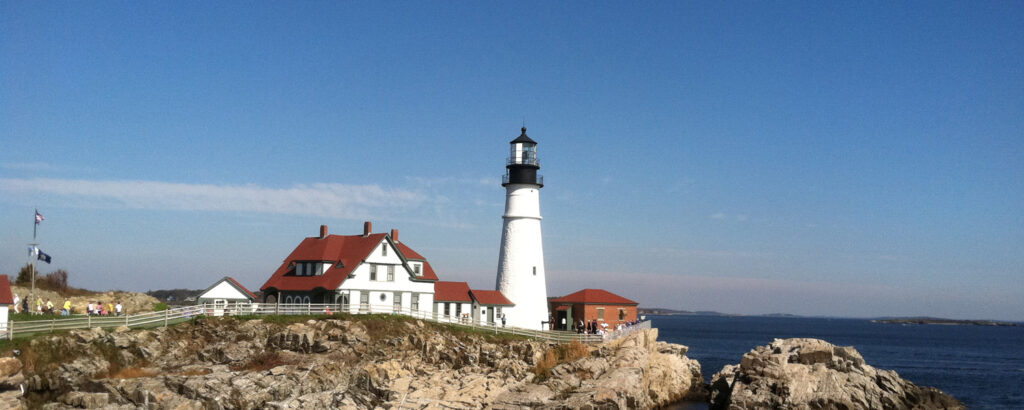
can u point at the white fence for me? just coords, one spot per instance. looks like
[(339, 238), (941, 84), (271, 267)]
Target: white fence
[(180, 314)]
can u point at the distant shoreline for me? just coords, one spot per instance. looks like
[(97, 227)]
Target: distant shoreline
[(936, 321), (887, 320)]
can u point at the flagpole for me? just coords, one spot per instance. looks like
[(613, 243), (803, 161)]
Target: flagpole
[(32, 262)]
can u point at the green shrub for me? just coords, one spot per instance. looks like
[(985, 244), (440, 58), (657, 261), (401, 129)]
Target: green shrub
[(160, 306)]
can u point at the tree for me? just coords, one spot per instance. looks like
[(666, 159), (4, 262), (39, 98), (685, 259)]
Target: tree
[(56, 281), (24, 276)]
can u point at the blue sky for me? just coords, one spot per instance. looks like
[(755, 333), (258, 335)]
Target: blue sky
[(804, 157)]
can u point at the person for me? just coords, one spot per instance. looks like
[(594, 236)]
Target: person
[(17, 303), (24, 305), (110, 308), (67, 308), (39, 306), (99, 308), (118, 308), (49, 306), (502, 320), (88, 309)]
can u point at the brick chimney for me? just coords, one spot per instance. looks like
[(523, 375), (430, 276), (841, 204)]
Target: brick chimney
[(367, 228), (323, 231), (394, 235)]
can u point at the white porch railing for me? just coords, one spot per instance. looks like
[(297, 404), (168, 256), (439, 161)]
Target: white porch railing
[(180, 314)]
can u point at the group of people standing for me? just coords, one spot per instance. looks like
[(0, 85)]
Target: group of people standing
[(97, 308), (593, 327)]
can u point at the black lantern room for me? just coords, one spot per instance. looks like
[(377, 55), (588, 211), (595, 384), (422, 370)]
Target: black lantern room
[(522, 164)]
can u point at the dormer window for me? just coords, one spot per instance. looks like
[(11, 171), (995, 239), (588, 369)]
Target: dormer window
[(384, 250), (416, 269)]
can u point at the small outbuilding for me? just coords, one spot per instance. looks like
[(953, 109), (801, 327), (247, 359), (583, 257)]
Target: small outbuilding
[(588, 305), (225, 294), (6, 300)]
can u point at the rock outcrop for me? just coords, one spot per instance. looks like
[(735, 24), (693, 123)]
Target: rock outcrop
[(814, 374), (361, 363), (635, 372)]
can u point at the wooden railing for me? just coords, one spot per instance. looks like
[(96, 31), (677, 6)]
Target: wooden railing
[(180, 314)]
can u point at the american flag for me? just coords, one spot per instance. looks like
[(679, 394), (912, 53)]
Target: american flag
[(39, 217)]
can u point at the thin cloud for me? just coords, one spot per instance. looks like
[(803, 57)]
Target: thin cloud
[(318, 199), (717, 215), (28, 166)]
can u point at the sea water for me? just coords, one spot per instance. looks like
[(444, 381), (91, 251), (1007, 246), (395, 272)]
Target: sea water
[(982, 366)]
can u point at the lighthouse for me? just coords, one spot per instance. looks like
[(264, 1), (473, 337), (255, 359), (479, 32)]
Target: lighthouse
[(521, 257)]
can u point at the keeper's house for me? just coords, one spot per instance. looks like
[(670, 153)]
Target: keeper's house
[(375, 272), (369, 272)]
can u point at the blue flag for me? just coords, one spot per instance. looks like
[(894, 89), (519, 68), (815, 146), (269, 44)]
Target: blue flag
[(44, 257)]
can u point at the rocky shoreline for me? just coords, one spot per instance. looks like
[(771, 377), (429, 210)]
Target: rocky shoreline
[(397, 362)]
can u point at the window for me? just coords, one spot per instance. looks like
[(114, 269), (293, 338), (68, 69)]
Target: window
[(398, 301), (415, 302), (447, 309), (458, 309), (373, 272), (416, 269), (600, 313), (622, 314), (534, 271), (384, 250), (391, 273), (364, 298), (383, 297)]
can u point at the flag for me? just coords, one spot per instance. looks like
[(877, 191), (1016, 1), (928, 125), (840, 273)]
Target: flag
[(39, 217), (44, 257)]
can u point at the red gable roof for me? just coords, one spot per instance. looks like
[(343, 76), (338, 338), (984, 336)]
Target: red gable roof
[(451, 292), (240, 287), (350, 250), (594, 296), (491, 297), (5, 291), (428, 271)]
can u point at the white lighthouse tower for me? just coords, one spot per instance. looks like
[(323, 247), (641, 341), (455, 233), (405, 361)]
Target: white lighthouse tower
[(521, 257)]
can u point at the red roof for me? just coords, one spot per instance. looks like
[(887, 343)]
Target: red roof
[(594, 297), (5, 291), (491, 297), (240, 287), (350, 250), (428, 271), (451, 292)]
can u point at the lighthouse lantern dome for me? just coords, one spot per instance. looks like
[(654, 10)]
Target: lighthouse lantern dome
[(524, 151)]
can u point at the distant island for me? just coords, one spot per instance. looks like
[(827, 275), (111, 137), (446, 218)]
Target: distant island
[(941, 321), (675, 312)]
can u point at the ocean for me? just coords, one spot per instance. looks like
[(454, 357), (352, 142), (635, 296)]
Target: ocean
[(982, 366)]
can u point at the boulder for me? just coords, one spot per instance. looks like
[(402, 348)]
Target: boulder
[(814, 374)]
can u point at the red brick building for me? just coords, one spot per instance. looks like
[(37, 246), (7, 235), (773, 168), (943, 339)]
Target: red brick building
[(591, 304)]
